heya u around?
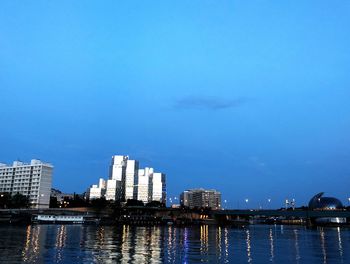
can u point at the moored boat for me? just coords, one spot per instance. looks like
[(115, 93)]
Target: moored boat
[(58, 219)]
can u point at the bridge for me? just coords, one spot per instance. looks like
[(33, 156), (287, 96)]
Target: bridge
[(284, 213)]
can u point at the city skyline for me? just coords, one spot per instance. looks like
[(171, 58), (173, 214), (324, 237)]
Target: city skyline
[(127, 181), (248, 98)]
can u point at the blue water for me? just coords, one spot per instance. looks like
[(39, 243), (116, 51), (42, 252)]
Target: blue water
[(201, 244)]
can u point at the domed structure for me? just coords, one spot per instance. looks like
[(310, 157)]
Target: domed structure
[(324, 203)]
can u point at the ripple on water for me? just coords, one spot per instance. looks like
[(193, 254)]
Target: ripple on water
[(198, 244)]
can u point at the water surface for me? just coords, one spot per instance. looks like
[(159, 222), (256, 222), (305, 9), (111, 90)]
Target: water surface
[(200, 244)]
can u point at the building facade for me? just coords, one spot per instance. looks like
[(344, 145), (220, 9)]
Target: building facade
[(113, 190), (201, 198), (97, 191), (33, 180), (131, 173), (61, 196), (118, 167), (127, 181), (150, 186), (117, 172), (157, 190), (142, 187)]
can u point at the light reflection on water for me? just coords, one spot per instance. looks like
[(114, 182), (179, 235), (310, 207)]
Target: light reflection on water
[(249, 253), (296, 245), (208, 244), (272, 255), (340, 246)]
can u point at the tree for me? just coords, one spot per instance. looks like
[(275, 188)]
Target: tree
[(5, 200), (99, 203), (134, 202), (19, 201), (76, 201), (155, 204), (53, 202)]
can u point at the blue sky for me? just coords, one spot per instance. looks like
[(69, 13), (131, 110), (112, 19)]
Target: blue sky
[(248, 97)]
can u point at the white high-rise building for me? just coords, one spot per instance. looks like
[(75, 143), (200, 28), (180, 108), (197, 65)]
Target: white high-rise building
[(150, 186), (142, 186), (115, 184), (157, 187), (33, 180), (118, 167), (132, 167), (97, 191), (112, 188), (127, 181)]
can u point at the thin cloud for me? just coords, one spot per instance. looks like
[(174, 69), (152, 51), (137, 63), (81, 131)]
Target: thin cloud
[(208, 103)]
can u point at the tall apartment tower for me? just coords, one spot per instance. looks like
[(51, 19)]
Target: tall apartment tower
[(157, 187), (142, 186), (117, 172), (32, 179), (122, 177), (150, 186), (130, 180)]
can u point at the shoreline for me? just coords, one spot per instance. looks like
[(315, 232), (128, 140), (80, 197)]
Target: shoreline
[(154, 216)]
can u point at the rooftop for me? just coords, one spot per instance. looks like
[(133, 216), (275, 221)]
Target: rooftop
[(18, 163)]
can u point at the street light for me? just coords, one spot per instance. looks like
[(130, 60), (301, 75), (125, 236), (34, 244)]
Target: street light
[(246, 201), (269, 201)]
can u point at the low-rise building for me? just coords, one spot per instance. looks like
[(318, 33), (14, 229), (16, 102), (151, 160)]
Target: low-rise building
[(60, 196)]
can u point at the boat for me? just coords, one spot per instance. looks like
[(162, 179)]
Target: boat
[(58, 219)]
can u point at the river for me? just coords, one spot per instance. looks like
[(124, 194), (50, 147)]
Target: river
[(168, 244)]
